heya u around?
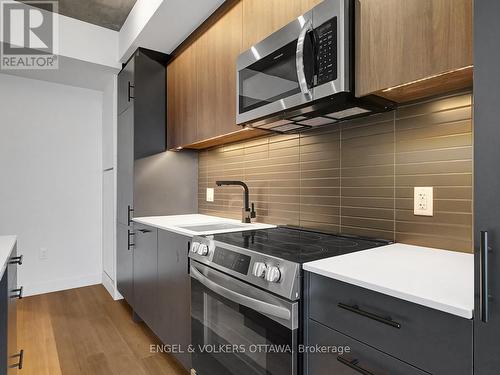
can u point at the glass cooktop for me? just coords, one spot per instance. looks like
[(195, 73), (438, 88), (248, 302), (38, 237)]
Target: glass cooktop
[(296, 244)]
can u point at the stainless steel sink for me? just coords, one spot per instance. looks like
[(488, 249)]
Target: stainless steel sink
[(212, 227)]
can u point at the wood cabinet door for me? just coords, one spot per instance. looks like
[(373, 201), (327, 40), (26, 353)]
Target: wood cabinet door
[(216, 53), (263, 17), (182, 99), (402, 41)]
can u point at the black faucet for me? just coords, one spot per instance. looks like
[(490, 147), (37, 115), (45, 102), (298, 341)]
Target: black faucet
[(247, 213)]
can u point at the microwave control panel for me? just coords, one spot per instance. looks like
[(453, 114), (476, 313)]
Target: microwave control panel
[(327, 51)]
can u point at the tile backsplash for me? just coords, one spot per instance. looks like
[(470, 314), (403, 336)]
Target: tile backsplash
[(357, 177)]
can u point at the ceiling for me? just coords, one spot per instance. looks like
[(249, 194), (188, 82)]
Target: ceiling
[(110, 14)]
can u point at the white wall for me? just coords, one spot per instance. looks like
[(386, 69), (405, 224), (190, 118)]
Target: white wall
[(51, 181)]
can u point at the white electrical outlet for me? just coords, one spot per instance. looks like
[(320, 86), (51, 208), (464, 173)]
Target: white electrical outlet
[(210, 194), (423, 201), (44, 253)]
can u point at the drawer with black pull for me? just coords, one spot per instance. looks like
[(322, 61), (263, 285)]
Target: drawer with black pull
[(341, 355), (429, 339)]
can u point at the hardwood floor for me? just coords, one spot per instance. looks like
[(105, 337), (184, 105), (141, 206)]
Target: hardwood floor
[(84, 332)]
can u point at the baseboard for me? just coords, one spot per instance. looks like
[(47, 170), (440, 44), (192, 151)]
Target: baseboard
[(110, 286), (62, 284)]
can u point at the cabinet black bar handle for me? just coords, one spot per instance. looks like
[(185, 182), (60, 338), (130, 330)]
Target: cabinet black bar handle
[(129, 216), (354, 365), (484, 287), (18, 365), (18, 293), (129, 244), (144, 231), (355, 309), (16, 260), (129, 93)]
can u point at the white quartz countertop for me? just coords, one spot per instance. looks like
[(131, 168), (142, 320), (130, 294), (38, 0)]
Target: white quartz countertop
[(178, 224), (6, 245), (439, 279)]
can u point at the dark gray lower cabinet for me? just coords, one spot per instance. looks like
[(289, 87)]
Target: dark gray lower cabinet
[(174, 293), (344, 356), (125, 262), (431, 340), (11, 359), (145, 302)]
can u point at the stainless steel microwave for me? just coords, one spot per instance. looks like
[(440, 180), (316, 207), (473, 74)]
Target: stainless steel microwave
[(294, 77)]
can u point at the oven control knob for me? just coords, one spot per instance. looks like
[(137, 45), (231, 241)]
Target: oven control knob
[(259, 269), (273, 274), (195, 246), (203, 250)]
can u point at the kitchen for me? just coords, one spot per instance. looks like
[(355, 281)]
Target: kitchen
[(264, 187)]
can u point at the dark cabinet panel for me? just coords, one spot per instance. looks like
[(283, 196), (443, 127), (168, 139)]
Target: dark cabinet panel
[(145, 274), (150, 106), (347, 356), (126, 87), (15, 355), (432, 340), (174, 300), (124, 262), (125, 166), (486, 187)]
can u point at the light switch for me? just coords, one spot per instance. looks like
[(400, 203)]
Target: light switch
[(210, 194), (423, 201)]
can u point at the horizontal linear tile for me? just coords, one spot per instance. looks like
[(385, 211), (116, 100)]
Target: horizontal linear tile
[(368, 232), (440, 192), (440, 205), (371, 131), (447, 243), (316, 191), (333, 210), (437, 167), (368, 120), (321, 227), (290, 143), (362, 160), (435, 229), (434, 120), (443, 104), (378, 192), (363, 222), (457, 218), (320, 182), (320, 218), (446, 154), (368, 181), (368, 213), (434, 131), (451, 141), (449, 179), (368, 171), (367, 202), (321, 164), (320, 173)]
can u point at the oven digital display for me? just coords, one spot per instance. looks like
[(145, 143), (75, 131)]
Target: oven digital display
[(232, 260)]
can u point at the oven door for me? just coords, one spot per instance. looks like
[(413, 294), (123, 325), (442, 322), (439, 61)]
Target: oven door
[(277, 74), (238, 329)]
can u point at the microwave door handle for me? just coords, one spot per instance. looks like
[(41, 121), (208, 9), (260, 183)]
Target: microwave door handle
[(252, 303), (299, 60)]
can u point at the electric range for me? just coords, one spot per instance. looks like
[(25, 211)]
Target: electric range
[(246, 294)]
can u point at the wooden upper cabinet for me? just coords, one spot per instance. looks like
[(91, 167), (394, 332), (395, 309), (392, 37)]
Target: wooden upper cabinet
[(216, 53), (182, 99), (399, 42), (263, 17)]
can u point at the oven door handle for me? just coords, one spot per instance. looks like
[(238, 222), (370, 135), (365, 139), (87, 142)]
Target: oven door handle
[(299, 60), (252, 303)]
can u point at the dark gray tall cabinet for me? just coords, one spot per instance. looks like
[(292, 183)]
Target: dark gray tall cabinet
[(141, 133), (487, 186)]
